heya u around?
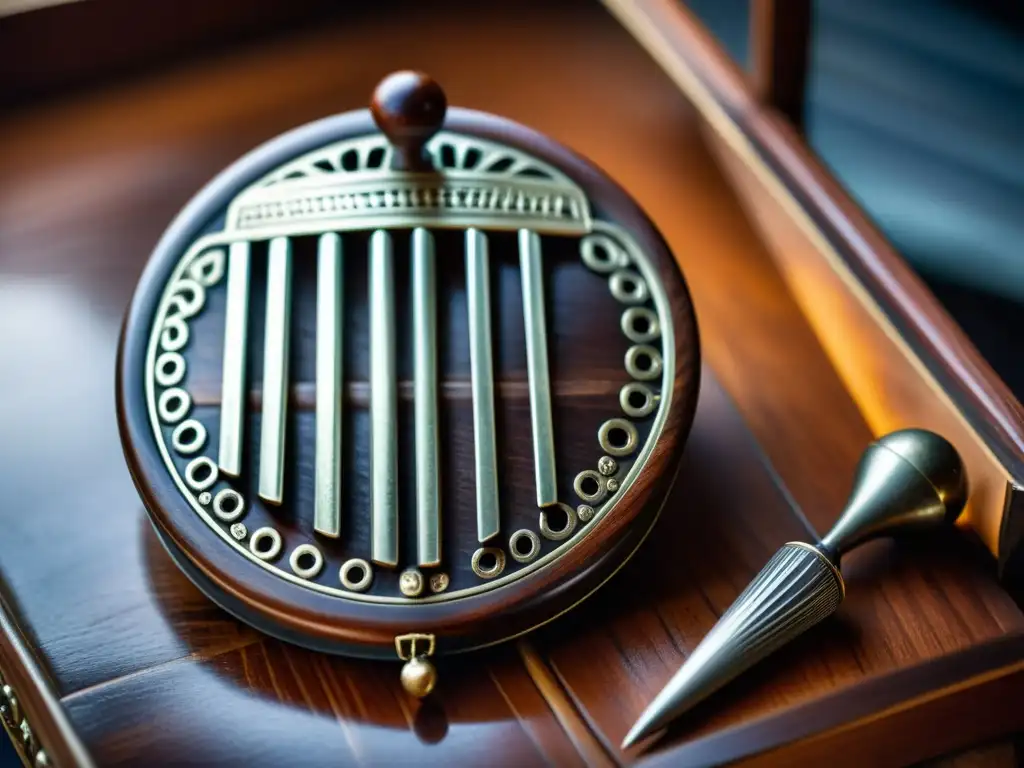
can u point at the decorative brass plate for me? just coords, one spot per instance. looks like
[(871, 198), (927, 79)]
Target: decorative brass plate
[(387, 383)]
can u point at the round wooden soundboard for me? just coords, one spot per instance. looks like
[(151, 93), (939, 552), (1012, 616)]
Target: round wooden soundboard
[(407, 381)]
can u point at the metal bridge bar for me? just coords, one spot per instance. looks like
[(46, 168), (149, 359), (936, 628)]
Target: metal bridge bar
[(482, 375), (275, 371), (233, 395), (383, 403), (428, 480), (537, 368), (329, 302)]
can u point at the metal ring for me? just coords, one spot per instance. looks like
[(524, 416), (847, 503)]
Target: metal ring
[(188, 447), (515, 538), (201, 462), (635, 365), (169, 414), (645, 316), (208, 268), (614, 258), (628, 287), (260, 535), (637, 411), (187, 307), (308, 572), (563, 533), (494, 570), (596, 496), (237, 505), (177, 373), (356, 585), (176, 341), (606, 430)]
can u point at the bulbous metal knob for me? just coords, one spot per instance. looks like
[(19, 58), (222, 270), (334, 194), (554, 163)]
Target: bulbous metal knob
[(911, 479)]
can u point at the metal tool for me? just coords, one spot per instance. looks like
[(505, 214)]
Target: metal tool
[(911, 479)]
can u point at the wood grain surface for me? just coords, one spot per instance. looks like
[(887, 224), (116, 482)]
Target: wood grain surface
[(918, 663), (942, 381)]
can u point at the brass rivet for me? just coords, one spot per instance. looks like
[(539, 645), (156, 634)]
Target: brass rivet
[(646, 408), (628, 287), (169, 369), (514, 541), (173, 404), (607, 466), (273, 546), (411, 583), (628, 430), (643, 362), (439, 582), (613, 485), (646, 319), (364, 573), (306, 552), (188, 445), (585, 513), (492, 571), (228, 505), (201, 473), (589, 476), (562, 533)]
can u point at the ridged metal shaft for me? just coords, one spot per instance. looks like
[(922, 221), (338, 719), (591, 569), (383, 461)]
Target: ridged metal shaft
[(796, 589), (906, 480)]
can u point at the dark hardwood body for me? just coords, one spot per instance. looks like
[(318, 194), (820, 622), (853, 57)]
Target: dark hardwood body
[(151, 673), (588, 350)]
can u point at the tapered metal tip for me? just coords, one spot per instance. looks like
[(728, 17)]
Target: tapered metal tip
[(643, 728), (796, 589)]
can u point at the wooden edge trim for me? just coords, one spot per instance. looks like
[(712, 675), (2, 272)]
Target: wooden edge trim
[(862, 706), (583, 739), (39, 721), (780, 42), (942, 351)]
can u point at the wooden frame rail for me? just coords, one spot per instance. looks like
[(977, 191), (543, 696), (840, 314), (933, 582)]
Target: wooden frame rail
[(903, 358)]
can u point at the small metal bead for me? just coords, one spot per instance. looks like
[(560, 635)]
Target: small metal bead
[(439, 582), (239, 531), (607, 466), (612, 485), (411, 583), (419, 677), (585, 513), (205, 498)]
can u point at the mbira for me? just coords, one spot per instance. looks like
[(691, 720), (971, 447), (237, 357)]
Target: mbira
[(406, 381)]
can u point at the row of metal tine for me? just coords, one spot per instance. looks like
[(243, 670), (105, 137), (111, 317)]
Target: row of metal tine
[(383, 383)]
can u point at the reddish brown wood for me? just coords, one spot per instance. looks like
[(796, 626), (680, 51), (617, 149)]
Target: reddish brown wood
[(409, 108), (148, 668), (780, 41), (948, 354)]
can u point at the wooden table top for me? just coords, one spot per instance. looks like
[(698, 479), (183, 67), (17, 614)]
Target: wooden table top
[(150, 671)]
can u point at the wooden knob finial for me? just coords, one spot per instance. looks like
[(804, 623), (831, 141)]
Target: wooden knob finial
[(409, 108)]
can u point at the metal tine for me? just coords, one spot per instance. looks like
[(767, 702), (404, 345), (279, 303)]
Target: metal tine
[(383, 403), (233, 394), (275, 370), (535, 323), (425, 383), (329, 336), (482, 377)]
